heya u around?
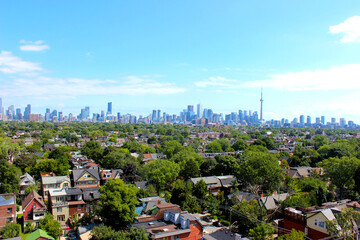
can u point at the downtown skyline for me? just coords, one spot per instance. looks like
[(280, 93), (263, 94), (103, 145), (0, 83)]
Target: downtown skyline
[(164, 55)]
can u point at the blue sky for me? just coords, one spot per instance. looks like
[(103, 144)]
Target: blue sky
[(145, 55)]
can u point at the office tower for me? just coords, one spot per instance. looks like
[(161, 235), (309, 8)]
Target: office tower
[(18, 114), (109, 110), (302, 119), (261, 106), (190, 108), (153, 116), (61, 116), (323, 120), (333, 120), (87, 112), (158, 115), (27, 112), (308, 120), (199, 110), (317, 120), (241, 116), (342, 122), (210, 115)]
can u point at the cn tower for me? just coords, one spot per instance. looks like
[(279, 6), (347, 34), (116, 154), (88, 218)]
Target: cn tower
[(261, 106)]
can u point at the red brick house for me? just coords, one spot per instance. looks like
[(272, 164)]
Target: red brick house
[(34, 209), (7, 209)]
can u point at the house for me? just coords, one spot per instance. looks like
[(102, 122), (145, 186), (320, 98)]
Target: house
[(34, 209), (272, 202), (106, 174), (25, 181), (148, 203), (91, 198), (53, 182), (86, 178), (66, 202), (217, 183), (310, 221), (39, 235), (303, 172), (224, 234), (175, 224), (157, 212), (7, 209)]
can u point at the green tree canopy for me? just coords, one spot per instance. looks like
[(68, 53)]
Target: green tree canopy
[(50, 225), (117, 203), (9, 177), (10, 230), (161, 172)]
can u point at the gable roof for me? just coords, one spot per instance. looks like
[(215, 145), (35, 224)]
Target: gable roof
[(28, 177), (39, 234), (7, 199), (78, 173), (54, 179), (30, 197)]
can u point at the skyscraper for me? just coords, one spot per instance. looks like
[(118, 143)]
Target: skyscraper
[(1, 109), (261, 106), (323, 120), (190, 108), (109, 110), (302, 119), (199, 110), (27, 112)]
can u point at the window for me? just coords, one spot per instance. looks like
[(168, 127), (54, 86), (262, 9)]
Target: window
[(90, 182), (59, 209), (66, 185), (34, 205), (177, 236), (321, 224), (194, 224), (9, 220), (79, 207), (47, 186), (9, 210), (315, 222)]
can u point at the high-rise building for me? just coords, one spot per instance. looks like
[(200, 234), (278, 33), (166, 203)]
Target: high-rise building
[(190, 108), (308, 120), (158, 115), (153, 116), (317, 120), (261, 106), (333, 120), (27, 112), (342, 122), (199, 110), (302, 119), (323, 120), (109, 110)]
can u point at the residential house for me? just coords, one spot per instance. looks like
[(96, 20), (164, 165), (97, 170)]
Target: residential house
[(39, 235), (7, 209), (66, 202), (25, 181), (86, 178), (217, 183), (272, 202), (91, 198), (34, 209), (311, 221), (224, 234), (157, 212), (148, 203), (53, 182), (174, 225), (303, 172), (107, 174)]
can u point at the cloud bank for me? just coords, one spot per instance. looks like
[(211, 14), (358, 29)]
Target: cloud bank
[(350, 28)]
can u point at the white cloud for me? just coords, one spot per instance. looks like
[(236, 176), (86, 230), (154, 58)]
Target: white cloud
[(35, 46), (344, 77), (216, 81), (72, 87), (350, 28), (10, 64)]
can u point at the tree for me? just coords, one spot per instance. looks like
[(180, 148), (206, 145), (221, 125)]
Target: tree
[(260, 172), (103, 232), (170, 148), (293, 235), (191, 205), (344, 225), (214, 147), (161, 172), (10, 230), (247, 214), (189, 168), (24, 161), (137, 234), (117, 159), (9, 177), (240, 145), (29, 188), (50, 225), (261, 232), (200, 189), (91, 145), (117, 203), (341, 171), (129, 173), (226, 165), (180, 191)]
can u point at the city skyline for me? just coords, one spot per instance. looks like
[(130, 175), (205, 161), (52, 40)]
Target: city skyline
[(188, 114), (146, 55)]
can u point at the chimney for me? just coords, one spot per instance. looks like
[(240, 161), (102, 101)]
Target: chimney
[(159, 201)]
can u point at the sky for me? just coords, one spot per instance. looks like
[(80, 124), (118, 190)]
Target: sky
[(145, 55)]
